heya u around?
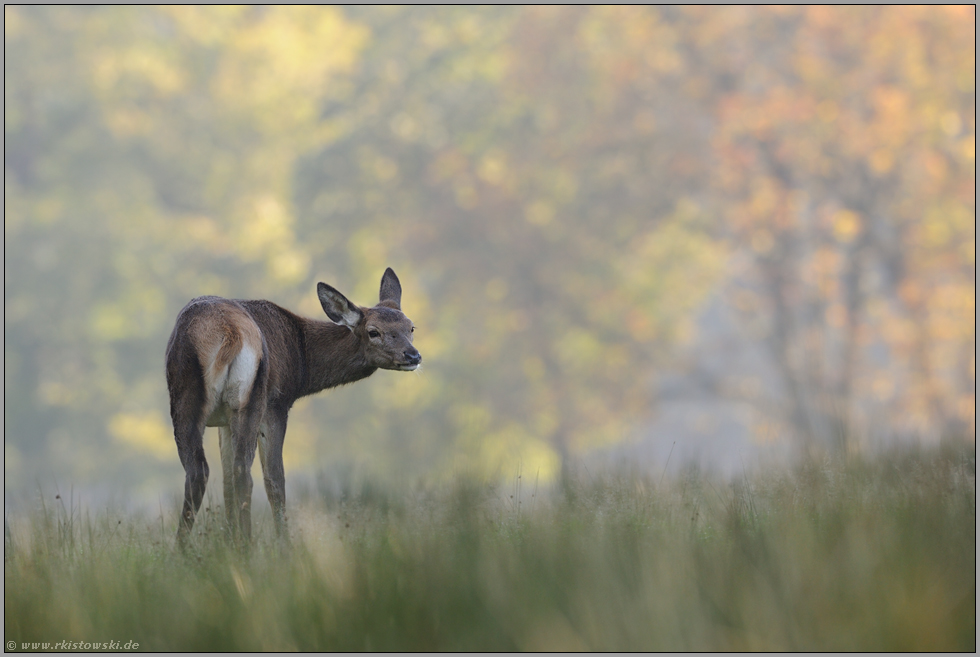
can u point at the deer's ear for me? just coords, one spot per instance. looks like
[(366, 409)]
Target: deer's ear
[(337, 307), (391, 290)]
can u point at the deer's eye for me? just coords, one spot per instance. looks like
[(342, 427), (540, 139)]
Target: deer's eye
[(373, 333), (413, 329)]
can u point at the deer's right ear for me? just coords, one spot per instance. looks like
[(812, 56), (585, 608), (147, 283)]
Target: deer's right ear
[(337, 307), (391, 290)]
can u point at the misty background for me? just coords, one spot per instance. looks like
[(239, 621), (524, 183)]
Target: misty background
[(737, 233)]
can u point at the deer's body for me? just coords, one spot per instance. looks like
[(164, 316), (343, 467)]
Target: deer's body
[(240, 366)]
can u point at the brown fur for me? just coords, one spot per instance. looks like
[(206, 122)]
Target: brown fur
[(240, 365)]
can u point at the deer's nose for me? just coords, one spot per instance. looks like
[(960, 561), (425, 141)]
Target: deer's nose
[(413, 357)]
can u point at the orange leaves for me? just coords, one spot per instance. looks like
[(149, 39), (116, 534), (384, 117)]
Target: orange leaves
[(570, 183), (864, 120)]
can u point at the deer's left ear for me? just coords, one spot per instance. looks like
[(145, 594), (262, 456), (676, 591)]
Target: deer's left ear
[(337, 306), (391, 290)]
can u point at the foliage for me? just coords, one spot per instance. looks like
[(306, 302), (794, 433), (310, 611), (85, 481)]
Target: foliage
[(561, 191), (859, 556), (849, 173)]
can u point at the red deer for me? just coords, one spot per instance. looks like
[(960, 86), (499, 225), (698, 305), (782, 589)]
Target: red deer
[(240, 366)]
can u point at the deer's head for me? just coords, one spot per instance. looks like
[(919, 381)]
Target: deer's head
[(384, 331)]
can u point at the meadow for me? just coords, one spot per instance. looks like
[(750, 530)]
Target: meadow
[(869, 554)]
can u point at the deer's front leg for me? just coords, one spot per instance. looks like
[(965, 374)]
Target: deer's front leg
[(271, 436)]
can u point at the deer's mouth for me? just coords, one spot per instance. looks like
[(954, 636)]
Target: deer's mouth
[(412, 361)]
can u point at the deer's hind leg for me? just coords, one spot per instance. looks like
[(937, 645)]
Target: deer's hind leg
[(242, 440), (226, 445), (196, 471), (185, 409)]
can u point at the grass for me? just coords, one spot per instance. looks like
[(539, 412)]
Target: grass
[(864, 555)]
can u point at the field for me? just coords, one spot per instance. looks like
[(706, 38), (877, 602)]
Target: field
[(869, 555)]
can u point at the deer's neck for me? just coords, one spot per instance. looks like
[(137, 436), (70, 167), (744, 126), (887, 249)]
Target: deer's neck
[(333, 356)]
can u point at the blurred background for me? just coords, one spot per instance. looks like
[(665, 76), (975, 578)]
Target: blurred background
[(740, 234)]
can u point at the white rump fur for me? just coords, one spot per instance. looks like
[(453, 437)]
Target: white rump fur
[(230, 386)]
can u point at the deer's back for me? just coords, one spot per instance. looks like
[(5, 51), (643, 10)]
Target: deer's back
[(223, 342)]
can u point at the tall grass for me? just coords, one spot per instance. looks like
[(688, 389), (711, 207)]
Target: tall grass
[(867, 555)]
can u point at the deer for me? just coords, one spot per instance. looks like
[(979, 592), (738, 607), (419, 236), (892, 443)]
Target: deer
[(239, 365)]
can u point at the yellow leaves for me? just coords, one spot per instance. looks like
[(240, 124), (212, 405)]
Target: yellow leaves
[(111, 323), (13, 22), (846, 225), (289, 266), (765, 197), (279, 65), (56, 393), (143, 66), (207, 26), (968, 251), (129, 122), (968, 147), (268, 234), (405, 127), (479, 55), (579, 351), (543, 124), (205, 232), (494, 169), (950, 123), (134, 315), (369, 249), (384, 169), (947, 223), (489, 445), (509, 451), (560, 189), (146, 432), (664, 275), (629, 42), (540, 212), (966, 81), (954, 307), (377, 166)]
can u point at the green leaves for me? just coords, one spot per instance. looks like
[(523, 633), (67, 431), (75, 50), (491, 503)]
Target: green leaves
[(560, 189)]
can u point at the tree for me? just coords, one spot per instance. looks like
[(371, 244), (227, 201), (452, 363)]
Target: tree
[(846, 167)]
